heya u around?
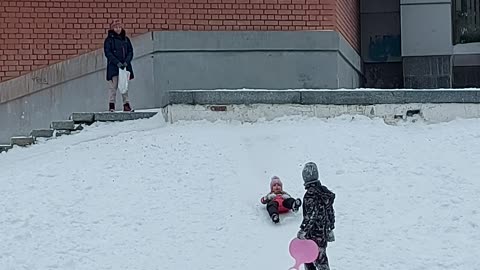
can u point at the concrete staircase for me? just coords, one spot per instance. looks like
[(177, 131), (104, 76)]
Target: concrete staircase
[(73, 124)]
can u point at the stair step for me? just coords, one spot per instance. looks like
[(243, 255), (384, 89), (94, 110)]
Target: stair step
[(122, 116), (66, 127), (22, 140), (82, 117), (59, 133), (44, 133), (5, 147), (63, 125)]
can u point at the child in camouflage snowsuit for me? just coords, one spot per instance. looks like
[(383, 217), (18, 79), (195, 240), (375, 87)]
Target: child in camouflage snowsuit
[(279, 201), (318, 216)]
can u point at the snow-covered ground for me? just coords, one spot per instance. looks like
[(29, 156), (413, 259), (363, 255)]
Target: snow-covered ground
[(149, 195)]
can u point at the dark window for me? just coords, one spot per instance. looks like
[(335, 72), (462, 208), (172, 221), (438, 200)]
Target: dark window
[(466, 21)]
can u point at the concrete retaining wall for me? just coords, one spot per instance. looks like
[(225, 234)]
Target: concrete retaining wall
[(391, 113), (271, 60), (34, 100), (324, 97), (179, 60), (394, 105)]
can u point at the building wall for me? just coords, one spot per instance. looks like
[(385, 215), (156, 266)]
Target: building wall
[(381, 43), (426, 35), (179, 60), (37, 33), (347, 21), (427, 46)]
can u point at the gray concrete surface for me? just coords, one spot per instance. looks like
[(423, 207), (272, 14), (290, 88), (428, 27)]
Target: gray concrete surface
[(82, 117), (420, 2), (22, 140), (392, 114), (63, 125), (5, 148), (426, 35), (265, 60), (35, 100), (122, 116), (180, 61), (44, 133), (334, 97), (427, 46)]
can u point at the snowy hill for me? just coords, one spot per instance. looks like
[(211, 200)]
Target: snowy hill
[(149, 195)]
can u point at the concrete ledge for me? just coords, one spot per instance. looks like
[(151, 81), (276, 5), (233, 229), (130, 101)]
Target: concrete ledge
[(5, 147), (63, 125), (22, 141), (44, 133), (467, 49), (82, 117), (334, 97), (59, 133), (391, 113), (348, 97), (234, 97), (122, 116), (424, 2)]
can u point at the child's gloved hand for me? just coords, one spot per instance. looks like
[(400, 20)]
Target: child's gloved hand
[(271, 196), (330, 236), (301, 234), (267, 198)]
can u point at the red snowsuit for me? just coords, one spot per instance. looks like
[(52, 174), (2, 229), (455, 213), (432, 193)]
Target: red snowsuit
[(279, 198)]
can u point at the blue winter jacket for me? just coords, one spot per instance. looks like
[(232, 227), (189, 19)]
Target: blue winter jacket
[(118, 49)]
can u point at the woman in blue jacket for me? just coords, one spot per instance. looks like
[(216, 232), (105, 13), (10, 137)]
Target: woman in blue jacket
[(119, 53)]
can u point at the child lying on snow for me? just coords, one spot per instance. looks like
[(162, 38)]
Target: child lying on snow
[(279, 201)]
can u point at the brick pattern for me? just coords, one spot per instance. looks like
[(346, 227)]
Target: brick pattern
[(36, 33), (348, 21)]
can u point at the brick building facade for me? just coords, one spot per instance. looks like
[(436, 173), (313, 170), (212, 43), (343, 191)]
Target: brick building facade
[(37, 33)]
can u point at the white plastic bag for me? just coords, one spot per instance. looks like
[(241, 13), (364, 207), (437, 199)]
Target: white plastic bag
[(123, 77)]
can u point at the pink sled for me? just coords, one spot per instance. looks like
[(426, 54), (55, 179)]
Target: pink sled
[(303, 251)]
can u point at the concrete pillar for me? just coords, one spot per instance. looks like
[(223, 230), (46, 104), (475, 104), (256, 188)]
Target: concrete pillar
[(427, 43)]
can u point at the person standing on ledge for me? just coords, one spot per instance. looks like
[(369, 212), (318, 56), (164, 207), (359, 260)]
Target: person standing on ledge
[(119, 53)]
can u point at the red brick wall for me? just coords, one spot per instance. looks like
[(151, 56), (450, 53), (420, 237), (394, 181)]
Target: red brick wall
[(35, 33), (348, 21)]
